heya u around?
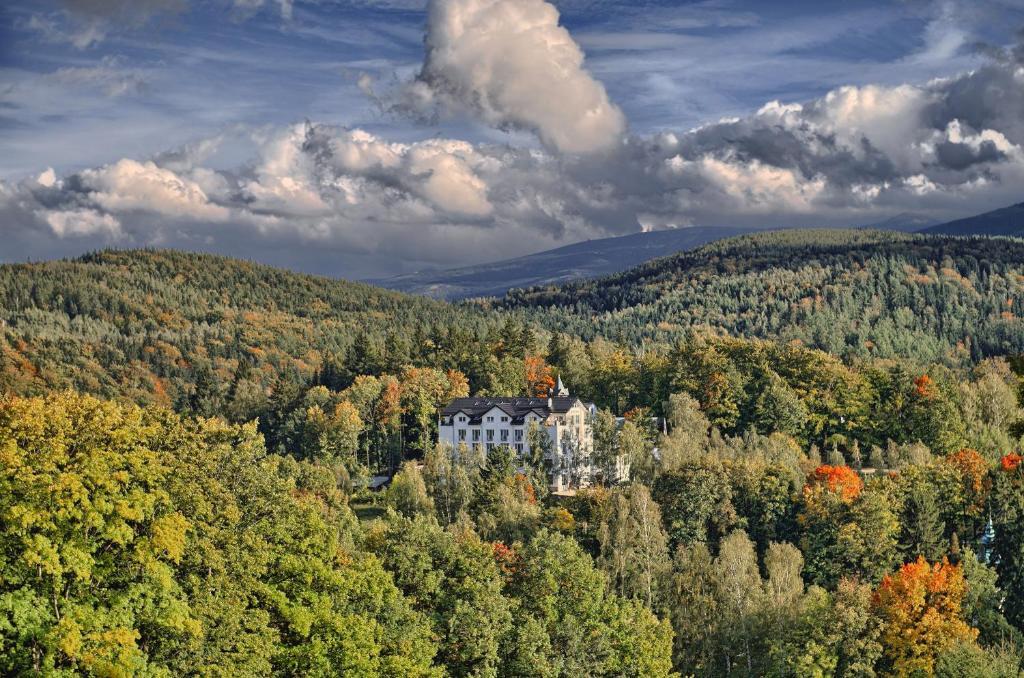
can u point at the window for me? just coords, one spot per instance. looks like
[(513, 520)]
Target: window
[(490, 418), (519, 434), (504, 435), (462, 419), (490, 446), (490, 434), (505, 419), (476, 435), (519, 448), (462, 434)]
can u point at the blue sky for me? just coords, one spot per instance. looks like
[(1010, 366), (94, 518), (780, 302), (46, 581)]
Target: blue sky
[(87, 83), (668, 65)]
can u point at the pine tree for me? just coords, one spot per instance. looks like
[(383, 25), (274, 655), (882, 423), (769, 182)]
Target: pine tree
[(923, 528)]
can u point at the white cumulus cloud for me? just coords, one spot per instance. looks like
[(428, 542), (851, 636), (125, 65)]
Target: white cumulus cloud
[(131, 185), (354, 203), (510, 63)]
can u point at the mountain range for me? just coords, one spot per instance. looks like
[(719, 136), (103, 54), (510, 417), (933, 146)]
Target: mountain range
[(606, 256), (212, 334), (588, 259)]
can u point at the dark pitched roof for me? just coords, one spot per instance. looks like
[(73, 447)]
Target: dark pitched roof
[(516, 408)]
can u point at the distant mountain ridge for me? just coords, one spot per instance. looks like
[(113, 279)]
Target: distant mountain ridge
[(607, 256), (1005, 221), (582, 260), (907, 222)]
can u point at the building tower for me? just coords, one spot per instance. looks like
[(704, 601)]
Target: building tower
[(560, 390)]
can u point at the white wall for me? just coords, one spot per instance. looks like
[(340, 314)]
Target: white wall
[(563, 430)]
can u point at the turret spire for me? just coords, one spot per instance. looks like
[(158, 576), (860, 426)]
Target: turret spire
[(560, 389)]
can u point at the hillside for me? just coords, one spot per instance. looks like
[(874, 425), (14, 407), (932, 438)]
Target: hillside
[(608, 256), (853, 293), (589, 259), (191, 542), (1005, 221), (905, 221), (166, 326)]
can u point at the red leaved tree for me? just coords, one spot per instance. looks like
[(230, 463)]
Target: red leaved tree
[(840, 480)]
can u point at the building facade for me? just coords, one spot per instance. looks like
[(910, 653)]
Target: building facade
[(488, 423)]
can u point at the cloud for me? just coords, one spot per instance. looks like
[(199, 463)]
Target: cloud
[(80, 34), (249, 7), (350, 202), (108, 75), (82, 222), (86, 23), (510, 64), (128, 185)]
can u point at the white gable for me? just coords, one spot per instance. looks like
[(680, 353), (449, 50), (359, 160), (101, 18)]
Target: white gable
[(494, 412)]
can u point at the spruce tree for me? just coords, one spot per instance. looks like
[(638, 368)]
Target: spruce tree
[(923, 528)]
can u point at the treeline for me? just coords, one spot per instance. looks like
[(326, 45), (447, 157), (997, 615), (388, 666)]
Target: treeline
[(856, 414), (219, 337), (854, 294)]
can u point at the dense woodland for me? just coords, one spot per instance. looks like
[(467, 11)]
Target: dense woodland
[(855, 294), (186, 444)]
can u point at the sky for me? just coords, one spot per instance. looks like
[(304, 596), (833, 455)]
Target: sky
[(368, 138)]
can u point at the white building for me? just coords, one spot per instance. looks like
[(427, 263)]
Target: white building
[(489, 423)]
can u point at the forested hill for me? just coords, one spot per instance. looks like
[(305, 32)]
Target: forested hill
[(853, 293), (1005, 221), (588, 259), (165, 326)]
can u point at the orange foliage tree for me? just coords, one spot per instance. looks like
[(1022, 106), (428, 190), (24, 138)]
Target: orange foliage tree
[(523, 488), (840, 480), (924, 386), (1011, 461), (971, 467), (921, 606), (538, 376)]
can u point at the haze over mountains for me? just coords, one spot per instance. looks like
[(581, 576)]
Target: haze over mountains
[(588, 259), (907, 222), (606, 256)]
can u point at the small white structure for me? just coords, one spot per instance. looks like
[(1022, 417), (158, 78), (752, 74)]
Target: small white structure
[(489, 423)]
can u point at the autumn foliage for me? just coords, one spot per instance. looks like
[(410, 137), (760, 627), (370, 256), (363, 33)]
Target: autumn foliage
[(924, 386), (921, 606), (841, 480), (562, 520), (970, 466), (506, 557), (538, 376), (1010, 461)]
